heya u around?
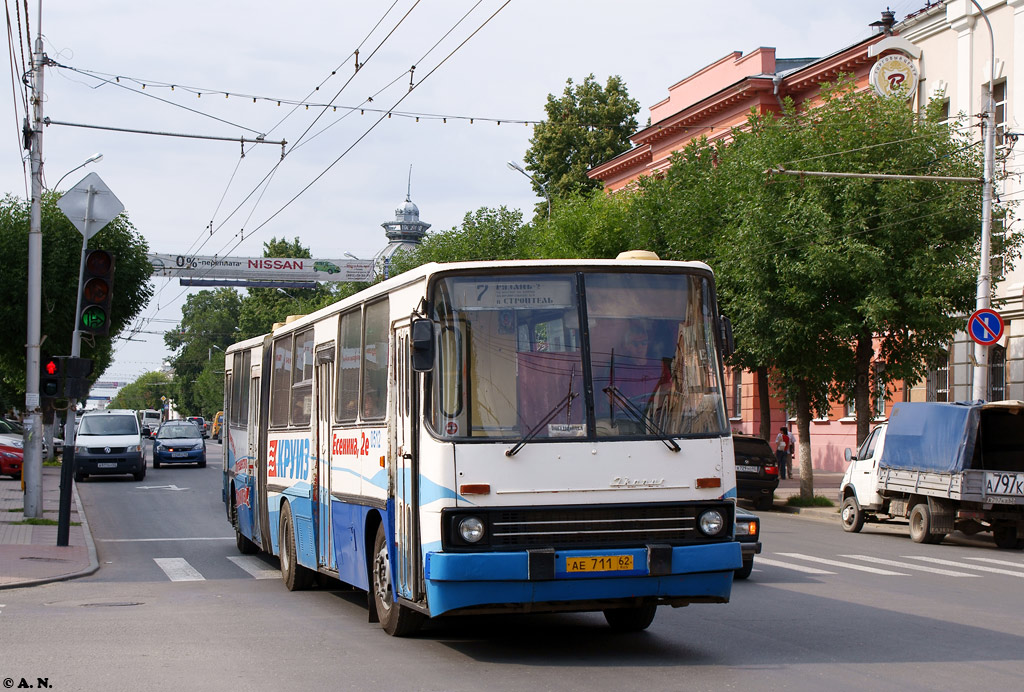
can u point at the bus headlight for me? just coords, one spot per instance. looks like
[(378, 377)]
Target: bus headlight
[(471, 529), (711, 522)]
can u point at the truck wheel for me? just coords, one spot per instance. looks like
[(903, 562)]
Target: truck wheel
[(852, 515), (1006, 537), (921, 524), (744, 571)]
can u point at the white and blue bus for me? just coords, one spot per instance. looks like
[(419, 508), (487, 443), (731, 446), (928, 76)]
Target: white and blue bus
[(491, 437)]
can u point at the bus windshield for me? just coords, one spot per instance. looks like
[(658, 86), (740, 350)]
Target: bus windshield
[(513, 360)]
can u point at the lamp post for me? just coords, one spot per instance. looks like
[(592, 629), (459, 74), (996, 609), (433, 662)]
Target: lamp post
[(209, 351), (544, 188), (92, 159)]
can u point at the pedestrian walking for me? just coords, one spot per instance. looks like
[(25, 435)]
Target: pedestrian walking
[(782, 447)]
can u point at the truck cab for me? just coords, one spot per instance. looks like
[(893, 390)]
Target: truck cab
[(858, 490)]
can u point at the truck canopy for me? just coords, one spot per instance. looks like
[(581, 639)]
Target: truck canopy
[(948, 438)]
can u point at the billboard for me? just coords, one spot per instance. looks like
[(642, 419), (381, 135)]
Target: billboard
[(261, 268)]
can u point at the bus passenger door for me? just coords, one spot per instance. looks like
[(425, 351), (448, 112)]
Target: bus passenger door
[(324, 378), (252, 426), (405, 469)]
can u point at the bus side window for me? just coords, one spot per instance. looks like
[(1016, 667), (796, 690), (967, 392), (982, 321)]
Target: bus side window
[(348, 368), (375, 361)]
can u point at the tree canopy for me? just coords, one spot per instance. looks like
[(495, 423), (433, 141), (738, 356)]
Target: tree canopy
[(587, 125), (62, 251)]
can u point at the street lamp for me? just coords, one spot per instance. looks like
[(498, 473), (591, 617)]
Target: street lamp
[(284, 292), (209, 351), (92, 159), (544, 188)]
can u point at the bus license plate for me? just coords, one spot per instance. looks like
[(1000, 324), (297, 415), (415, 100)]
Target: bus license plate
[(599, 563), (107, 465)]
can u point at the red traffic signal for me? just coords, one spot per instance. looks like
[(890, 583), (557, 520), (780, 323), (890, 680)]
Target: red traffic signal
[(97, 293), (50, 379)]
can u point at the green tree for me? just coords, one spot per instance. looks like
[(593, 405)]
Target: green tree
[(62, 250), (486, 234), (209, 321), (814, 271), (144, 392), (587, 125)]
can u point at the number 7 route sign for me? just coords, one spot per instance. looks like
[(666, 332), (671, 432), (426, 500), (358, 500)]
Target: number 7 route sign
[(985, 326)]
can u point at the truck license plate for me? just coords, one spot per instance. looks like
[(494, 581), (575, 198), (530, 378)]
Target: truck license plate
[(1004, 485)]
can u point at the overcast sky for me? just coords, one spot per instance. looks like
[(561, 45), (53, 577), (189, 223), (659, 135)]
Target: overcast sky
[(333, 190)]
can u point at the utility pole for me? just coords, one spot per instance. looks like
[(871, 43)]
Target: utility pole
[(33, 467), (988, 133)]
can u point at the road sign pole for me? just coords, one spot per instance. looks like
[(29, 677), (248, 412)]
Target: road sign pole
[(67, 467)]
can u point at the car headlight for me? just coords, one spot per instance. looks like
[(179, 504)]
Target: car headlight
[(135, 448), (746, 528), (80, 449), (197, 447), (711, 522), (471, 529), (17, 444), (9, 455)]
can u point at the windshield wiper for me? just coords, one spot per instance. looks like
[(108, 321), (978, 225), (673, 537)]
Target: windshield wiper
[(641, 417), (565, 403)]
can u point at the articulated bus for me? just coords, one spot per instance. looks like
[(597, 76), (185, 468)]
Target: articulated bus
[(492, 437)]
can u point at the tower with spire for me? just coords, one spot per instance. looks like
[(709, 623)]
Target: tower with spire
[(406, 231)]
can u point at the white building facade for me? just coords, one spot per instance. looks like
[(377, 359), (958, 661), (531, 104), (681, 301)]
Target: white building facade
[(954, 64)]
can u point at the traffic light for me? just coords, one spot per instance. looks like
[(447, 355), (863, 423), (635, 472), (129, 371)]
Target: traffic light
[(51, 384), (76, 377), (97, 292)]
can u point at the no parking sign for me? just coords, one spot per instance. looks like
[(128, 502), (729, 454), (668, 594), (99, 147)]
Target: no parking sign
[(985, 326)]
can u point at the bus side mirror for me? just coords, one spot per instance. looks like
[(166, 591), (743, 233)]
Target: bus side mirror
[(422, 345), (728, 344)]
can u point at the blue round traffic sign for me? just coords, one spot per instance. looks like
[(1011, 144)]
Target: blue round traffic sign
[(985, 326)]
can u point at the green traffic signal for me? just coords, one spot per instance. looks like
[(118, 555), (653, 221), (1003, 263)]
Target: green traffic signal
[(94, 318), (97, 293)]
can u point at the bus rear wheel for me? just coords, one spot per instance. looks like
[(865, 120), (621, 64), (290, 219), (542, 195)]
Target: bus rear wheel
[(395, 618), (295, 576)]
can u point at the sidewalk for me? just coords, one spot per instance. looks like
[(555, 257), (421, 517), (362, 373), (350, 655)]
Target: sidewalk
[(826, 484), (29, 554)]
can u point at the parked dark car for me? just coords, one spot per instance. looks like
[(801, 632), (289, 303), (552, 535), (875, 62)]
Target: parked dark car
[(757, 473), (179, 442), (748, 533), (204, 427)]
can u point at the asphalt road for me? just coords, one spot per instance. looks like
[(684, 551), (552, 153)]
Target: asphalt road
[(173, 607)]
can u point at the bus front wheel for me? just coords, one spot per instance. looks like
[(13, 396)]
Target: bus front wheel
[(396, 619), (632, 619)]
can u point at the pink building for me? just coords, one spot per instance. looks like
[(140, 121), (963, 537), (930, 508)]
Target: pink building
[(711, 102)]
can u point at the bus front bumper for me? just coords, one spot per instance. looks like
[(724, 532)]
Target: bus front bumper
[(568, 580)]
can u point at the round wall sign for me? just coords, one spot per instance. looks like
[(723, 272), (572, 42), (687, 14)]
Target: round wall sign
[(894, 75)]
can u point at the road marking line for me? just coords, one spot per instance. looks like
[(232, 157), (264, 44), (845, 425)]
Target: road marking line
[(904, 565), (178, 569), (157, 540), (255, 566), (998, 562), (847, 565), (788, 565), (980, 568)]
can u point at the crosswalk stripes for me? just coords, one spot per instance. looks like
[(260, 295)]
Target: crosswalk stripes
[(963, 569), (848, 565), (905, 565), (255, 566), (179, 569), (789, 565)]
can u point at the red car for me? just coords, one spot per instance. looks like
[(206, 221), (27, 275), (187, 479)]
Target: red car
[(10, 461)]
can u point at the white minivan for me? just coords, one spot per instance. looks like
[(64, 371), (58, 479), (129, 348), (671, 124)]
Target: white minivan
[(109, 442), (150, 421)]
